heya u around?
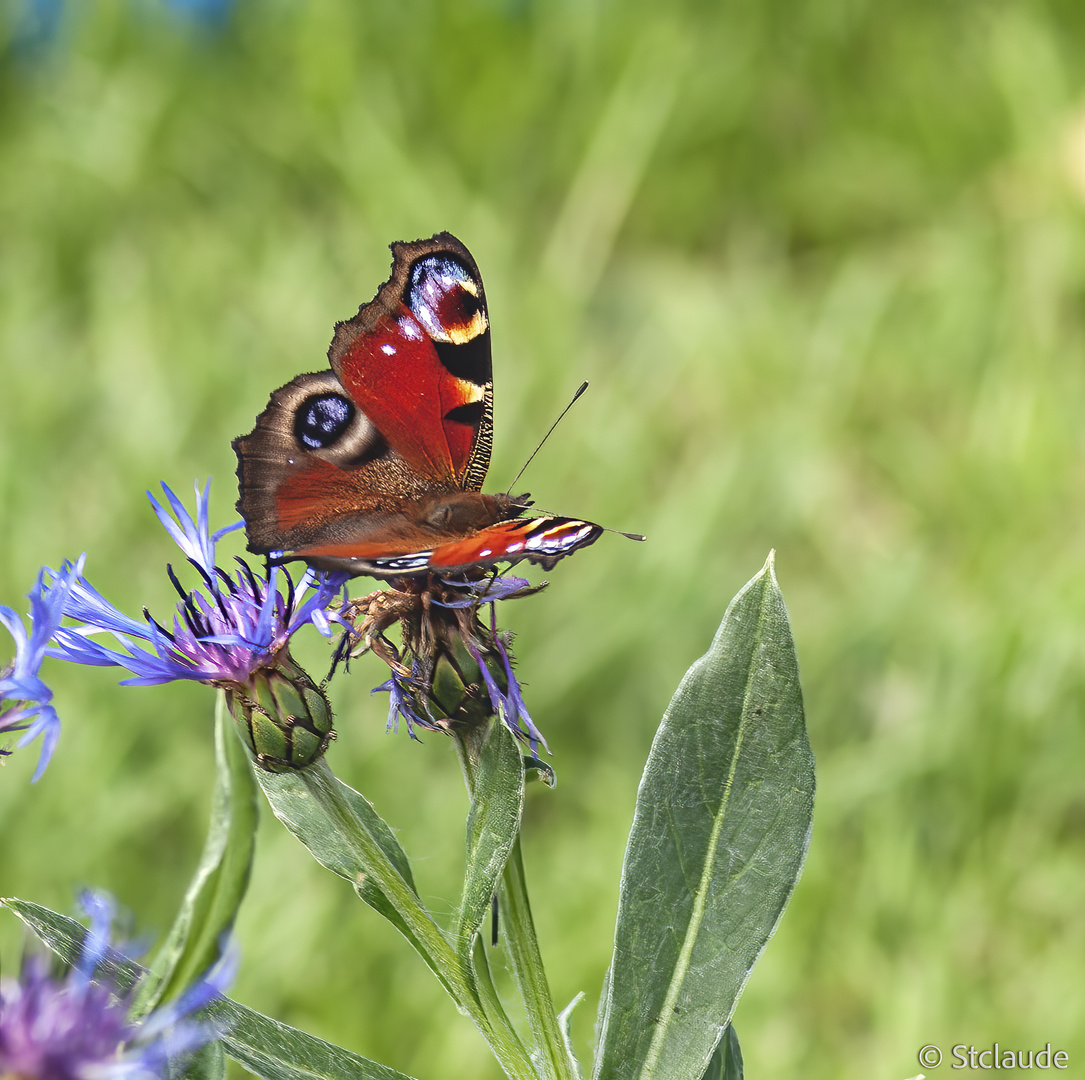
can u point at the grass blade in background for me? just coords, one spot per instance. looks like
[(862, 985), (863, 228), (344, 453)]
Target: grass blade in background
[(719, 835)]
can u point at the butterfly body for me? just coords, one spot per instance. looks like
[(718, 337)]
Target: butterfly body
[(375, 466)]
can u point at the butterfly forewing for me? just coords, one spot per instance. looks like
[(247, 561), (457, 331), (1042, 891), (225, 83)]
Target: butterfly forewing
[(416, 360)]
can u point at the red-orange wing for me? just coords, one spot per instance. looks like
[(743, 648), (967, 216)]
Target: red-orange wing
[(541, 540), (416, 361)]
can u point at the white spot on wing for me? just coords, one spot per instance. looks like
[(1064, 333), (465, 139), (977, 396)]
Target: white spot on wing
[(409, 328)]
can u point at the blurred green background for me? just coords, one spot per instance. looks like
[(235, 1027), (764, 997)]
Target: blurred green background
[(824, 265)]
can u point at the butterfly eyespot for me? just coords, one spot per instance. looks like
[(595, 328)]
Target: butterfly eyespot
[(468, 303), (322, 419), (446, 299)]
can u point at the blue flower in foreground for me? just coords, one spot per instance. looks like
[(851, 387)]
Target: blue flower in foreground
[(24, 698), (78, 1029), (223, 633)]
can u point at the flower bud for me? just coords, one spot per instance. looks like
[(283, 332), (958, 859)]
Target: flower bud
[(458, 691), (282, 716), (454, 672)]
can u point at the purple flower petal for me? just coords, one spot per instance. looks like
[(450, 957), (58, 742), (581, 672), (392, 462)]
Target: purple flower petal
[(223, 632), (487, 591), (401, 705), (25, 700)]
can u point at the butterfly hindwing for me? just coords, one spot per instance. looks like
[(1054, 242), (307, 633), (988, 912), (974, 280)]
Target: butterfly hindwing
[(316, 470), (542, 540)]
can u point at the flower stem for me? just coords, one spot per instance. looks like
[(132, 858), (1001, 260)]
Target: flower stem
[(527, 969), (342, 832), (551, 1057)]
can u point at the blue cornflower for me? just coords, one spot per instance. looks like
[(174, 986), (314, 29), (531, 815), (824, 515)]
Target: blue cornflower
[(24, 698), (79, 1029), (453, 669), (236, 626)]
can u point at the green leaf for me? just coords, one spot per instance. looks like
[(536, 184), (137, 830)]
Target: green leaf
[(564, 1018), (719, 835), (65, 936), (277, 1051), (211, 902), (264, 1046), (206, 1063), (215, 893), (726, 1063), (525, 961), (488, 997), (347, 835), (536, 769), (331, 819), (497, 801)]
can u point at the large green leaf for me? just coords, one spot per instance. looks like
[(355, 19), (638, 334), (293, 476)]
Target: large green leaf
[(719, 835), (345, 834), (497, 801), (264, 1046), (215, 893)]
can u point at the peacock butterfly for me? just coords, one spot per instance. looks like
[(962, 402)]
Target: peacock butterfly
[(375, 466)]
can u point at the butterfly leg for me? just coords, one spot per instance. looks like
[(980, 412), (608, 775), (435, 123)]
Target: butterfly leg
[(368, 617)]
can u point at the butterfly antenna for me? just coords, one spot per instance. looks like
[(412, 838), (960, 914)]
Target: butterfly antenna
[(540, 511), (572, 402)]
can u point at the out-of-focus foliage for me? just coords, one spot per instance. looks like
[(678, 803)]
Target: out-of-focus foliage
[(824, 263)]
